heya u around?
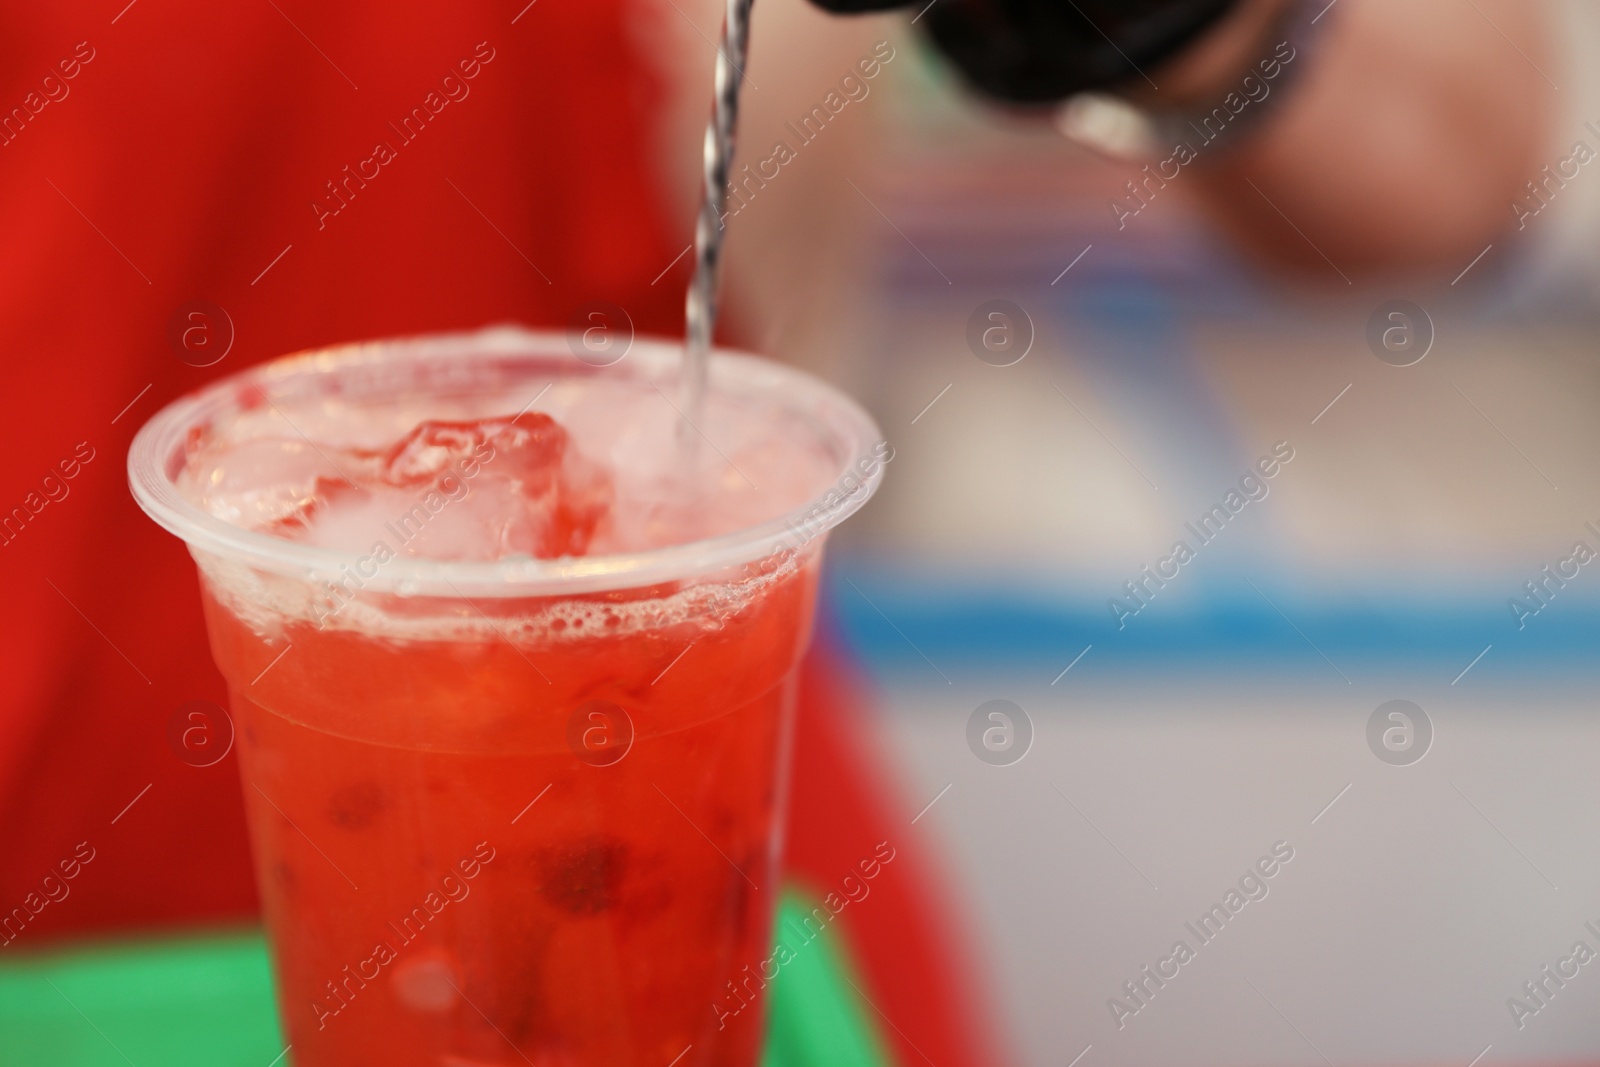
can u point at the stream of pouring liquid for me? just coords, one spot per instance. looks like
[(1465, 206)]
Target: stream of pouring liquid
[(700, 311)]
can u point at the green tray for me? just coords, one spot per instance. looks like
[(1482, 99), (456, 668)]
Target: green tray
[(206, 1000)]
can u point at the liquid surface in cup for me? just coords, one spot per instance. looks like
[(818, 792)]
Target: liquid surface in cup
[(494, 830), (592, 468)]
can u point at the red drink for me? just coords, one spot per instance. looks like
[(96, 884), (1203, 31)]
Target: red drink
[(518, 810), (604, 925)]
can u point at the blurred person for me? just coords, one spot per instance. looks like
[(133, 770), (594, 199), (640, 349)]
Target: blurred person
[(1410, 132), (1383, 135)]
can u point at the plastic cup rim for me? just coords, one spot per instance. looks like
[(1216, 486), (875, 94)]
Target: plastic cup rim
[(730, 370)]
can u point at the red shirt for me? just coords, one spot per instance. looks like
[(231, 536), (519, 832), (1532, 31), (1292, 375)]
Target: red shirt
[(185, 151)]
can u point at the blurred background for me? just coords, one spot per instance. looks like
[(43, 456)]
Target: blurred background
[(1380, 285)]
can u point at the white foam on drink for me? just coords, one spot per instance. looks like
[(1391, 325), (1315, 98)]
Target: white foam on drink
[(317, 472), (266, 602), (274, 463)]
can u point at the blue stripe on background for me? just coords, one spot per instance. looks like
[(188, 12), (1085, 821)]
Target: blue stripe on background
[(893, 617)]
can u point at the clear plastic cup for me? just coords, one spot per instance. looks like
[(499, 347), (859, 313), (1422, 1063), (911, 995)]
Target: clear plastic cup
[(514, 811)]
